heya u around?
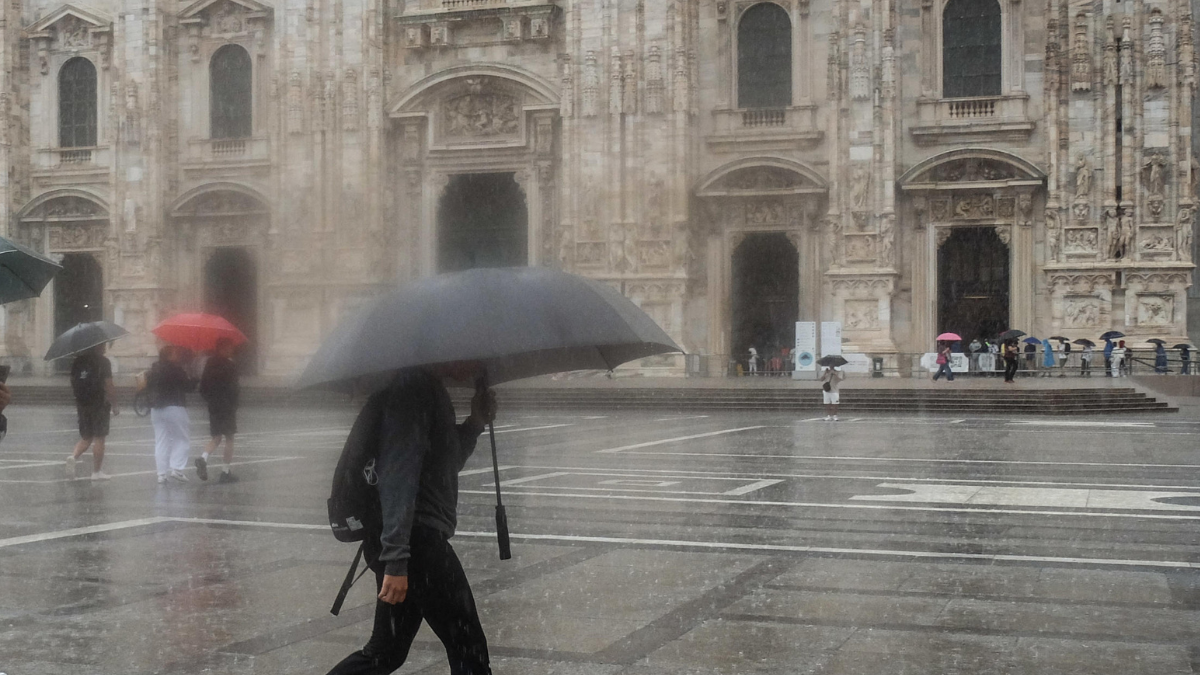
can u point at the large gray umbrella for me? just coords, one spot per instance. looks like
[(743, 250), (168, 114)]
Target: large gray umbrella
[(83, 337), (23, 272), (518, 322)]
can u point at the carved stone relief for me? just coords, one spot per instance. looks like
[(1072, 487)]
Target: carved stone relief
[(1157, 241), (591, 85), (766, 212), (1081, 311), (970, 207), (654, 81), (860, 248), (74, 237), (1155, 310), (480, 114), (761, 178), (969, 170), (1081, 56), (1156, 53), (1081, 241), (861, 315)]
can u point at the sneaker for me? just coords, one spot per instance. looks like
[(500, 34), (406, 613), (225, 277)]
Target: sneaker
[(835, 418), (179, 477), (100, 475), (227, 477), (70, 467), (828, 418), (162, 479), (202, 468)]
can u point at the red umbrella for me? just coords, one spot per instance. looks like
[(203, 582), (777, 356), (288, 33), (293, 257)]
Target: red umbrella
[(948, 337), (198, 332)]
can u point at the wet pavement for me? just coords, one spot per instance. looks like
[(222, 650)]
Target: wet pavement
[(644, 544)]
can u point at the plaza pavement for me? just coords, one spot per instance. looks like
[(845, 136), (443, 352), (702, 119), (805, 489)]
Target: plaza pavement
[(644, 544)]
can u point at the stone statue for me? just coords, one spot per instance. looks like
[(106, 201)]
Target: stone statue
[(860, 188), (1083, 179), (1111, 229), (1125, 241), (887, 240), (1186, 226), (1154, 168), (1052, 244)]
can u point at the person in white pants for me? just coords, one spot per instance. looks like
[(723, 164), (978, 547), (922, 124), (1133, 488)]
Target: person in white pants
[(169, 384)]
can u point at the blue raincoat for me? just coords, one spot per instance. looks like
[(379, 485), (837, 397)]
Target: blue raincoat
[(1160, 359), (1048, 354), (1108, 347)]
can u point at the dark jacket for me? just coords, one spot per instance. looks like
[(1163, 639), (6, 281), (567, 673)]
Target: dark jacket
[(219, 383), (421, 451), (89, 374), (169, 385)]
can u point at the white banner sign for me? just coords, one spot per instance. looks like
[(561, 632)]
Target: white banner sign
[(806, 346), (831, 338)]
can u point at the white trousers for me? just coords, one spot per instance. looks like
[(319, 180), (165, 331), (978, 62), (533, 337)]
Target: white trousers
[(172, 438)]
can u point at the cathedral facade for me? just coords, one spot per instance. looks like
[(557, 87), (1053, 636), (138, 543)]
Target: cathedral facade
[(732, 166)]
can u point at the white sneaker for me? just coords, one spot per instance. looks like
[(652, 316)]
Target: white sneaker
[(835, 418), (100, 475), (828, 418), (162, 479), (179, 477), (70, 467)]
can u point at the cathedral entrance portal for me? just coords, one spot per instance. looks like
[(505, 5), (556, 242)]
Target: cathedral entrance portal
[(78, 295), (973, 283), (231, 291), (766, 295), (482, 222)]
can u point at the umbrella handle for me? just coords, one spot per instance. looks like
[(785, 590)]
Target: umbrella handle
[(481, 387)]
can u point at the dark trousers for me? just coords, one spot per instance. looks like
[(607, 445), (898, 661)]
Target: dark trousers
[(944, 369), (1108, 366), (439, 594), (1010, 369)]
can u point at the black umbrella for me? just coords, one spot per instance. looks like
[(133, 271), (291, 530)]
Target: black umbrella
[(1085, 342), (832, 361), (518, 322), (1112, 335), (1059, 338), (23, 272), (1157, 341), (1183, 345), (83, 337), (1012, 334)]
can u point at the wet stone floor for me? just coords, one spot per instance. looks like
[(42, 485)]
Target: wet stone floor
[(644, 544)]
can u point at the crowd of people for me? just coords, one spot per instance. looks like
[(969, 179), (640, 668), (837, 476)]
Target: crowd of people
[(169, 382)]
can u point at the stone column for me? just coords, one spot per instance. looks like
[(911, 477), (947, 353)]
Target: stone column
[(923, 293), (1021, 270)]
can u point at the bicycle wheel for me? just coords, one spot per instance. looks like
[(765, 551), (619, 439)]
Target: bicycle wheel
[(141, 404)]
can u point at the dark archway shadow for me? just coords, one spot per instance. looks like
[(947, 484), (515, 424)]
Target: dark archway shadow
[(765, 294), (482, 222), (231, 291), (78, 296), (973, 284)]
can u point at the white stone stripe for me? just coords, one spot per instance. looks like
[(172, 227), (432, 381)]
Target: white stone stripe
[(548, 426), (757, 485), (677, 439), (851, 458)]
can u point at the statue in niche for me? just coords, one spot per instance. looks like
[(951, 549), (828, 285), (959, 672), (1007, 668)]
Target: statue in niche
[(1154, 170), (1083, 179), (1125, 238), (887, 240), (1052, 244), (860, 188), (1185, 227), (1112, 228)]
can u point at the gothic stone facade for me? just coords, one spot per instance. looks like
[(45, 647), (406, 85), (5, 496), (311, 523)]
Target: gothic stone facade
[(640, 161)]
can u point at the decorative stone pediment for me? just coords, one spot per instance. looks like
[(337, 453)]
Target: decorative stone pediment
[(63, 208), (761, 176), (71, 27), (971, 168), (220, 200), (225, 16)]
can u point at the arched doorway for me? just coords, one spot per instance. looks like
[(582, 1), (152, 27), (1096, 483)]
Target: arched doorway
[(766, 294), (78, 295), (973, 283), (231, 291), (482, 222)]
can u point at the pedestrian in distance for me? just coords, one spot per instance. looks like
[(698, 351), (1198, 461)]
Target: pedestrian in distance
[(95, 403), (169, 385), (943, 363), (1160, 358), (1031, 356), (1047, 357), (5, 400), (1109, 371), (219, 389), (975, 348), (1117, 368), (753, 361), (1185, 360), (1085, 361), (1010, 361), (420, 453), (1064, 355), (831, 378)]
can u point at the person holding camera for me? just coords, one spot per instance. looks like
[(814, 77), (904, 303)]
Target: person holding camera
[(831, 377)]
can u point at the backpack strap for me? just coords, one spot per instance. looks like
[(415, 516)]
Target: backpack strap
[(349, 581)]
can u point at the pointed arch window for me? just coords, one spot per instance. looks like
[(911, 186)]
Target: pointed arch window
[(971, 49), (764, 57), (230, 93), (77, 104)]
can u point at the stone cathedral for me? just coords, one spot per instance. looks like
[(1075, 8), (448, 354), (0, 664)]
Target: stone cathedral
[(732, 166)]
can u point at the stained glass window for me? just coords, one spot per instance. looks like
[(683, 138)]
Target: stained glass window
[(230, 93), (77, 104), (764, 54), (971, 48)]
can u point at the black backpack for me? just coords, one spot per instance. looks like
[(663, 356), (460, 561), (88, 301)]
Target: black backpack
[(355, 513)]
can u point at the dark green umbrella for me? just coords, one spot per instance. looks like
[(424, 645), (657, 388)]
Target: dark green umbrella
[(23, 272), (83, 337), (517, 322)]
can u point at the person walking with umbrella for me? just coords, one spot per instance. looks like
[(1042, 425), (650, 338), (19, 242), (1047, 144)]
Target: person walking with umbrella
[(1118, 359), (219, 389), (169, 385), (1160, 356), (1185, 358), (1085, 358), (1109, 346), (943, 363), (831, 378), (95, 402), (1010, 361)]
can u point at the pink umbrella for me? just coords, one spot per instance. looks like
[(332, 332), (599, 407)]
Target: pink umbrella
[(949, 337), (198, 332)]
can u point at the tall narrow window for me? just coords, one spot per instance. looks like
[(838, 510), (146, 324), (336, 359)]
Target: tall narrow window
[(971, 48), (230, 93), (77, 104), (764, 54)]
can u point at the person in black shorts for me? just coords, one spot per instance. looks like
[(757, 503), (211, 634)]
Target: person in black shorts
[(92, 384), (219, 388)]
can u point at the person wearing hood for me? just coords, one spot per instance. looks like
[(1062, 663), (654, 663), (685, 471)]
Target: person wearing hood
[(1047, 356), (1185, 360), (1160, 358)]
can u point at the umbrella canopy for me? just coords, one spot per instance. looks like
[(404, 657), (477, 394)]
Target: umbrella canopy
[(1085, 342), (197, 332), (948, 337), (1059, 338), (519, 322), (1011, 334), (23, 272), (1032, 341), (1157, 341), (83, 337), (1183, 345), (832, 361), (1112, 335)]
